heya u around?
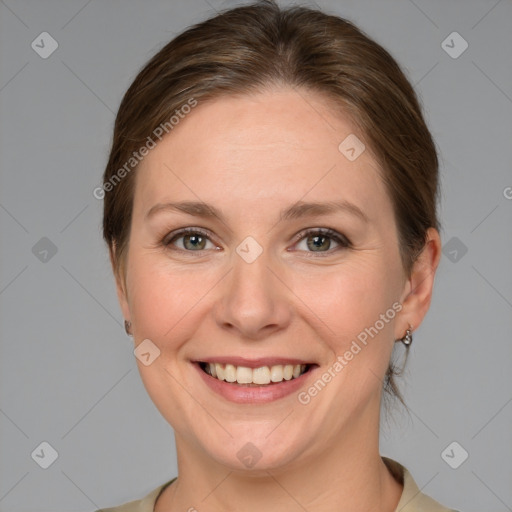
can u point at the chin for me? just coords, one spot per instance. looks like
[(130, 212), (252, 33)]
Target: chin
[(255, 452)]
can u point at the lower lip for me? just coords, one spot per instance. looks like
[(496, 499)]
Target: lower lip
[(251, 394)]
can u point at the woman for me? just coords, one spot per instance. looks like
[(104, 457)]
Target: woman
[(270, 211)]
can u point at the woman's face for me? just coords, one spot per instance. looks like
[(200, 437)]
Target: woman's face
[(260, 283)]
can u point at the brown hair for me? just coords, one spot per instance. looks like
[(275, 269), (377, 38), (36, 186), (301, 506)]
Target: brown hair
[(248, 49)]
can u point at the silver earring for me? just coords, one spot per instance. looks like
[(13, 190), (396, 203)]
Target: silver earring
[(128, 327), (407, 339)]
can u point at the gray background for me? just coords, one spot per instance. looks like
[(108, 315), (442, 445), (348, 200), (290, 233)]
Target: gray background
[(68, 374)]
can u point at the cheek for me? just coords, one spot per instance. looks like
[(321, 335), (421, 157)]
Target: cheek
[(349, 298), (167, 302)]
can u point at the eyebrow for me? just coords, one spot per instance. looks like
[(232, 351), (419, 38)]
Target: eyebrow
[(296, 211)]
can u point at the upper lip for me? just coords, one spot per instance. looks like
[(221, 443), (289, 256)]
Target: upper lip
[(253, 363)]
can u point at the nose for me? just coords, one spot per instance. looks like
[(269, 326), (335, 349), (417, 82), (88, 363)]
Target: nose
[(254, 302)]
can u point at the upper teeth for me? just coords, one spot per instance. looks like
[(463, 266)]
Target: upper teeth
[(262, 375)]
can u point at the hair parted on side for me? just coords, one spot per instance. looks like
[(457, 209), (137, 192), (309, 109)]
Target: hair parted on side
[(253, 48)]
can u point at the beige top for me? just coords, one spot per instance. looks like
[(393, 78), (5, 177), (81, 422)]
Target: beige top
[(412, 499)]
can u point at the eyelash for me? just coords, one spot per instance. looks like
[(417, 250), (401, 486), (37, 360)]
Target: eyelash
[(343, 241)]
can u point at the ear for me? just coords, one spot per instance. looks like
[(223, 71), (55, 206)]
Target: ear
[(120, 284), (418, 288)]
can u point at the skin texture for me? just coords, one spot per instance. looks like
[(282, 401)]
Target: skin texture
[(251, 157)]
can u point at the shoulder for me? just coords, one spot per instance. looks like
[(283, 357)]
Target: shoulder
[(146, 504), (412, 499)]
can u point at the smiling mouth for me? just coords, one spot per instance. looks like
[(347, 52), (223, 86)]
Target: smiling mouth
[(262, 376)]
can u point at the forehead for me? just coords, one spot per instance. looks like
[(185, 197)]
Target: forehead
[(272, 148)]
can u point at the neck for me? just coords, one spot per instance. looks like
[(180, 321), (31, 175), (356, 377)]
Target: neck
[(349, 471)]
